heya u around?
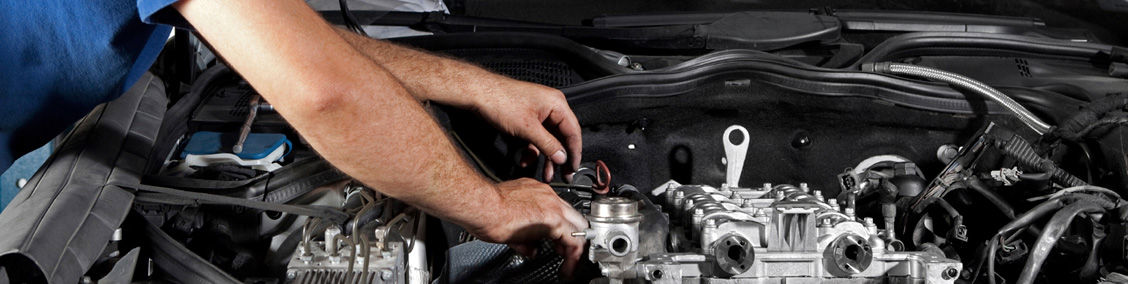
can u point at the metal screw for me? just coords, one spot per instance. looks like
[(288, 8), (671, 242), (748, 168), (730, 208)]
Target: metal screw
[(747, 203), (868, 221), (385, 275), (804, 187), (767, 186), (698, 211), (825, 223), (950, 273)]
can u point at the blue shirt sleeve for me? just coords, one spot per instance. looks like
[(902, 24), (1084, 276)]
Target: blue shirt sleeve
[(159, 12)]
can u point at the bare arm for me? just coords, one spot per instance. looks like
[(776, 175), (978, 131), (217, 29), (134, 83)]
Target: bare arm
[(533, 112), (362, 119)]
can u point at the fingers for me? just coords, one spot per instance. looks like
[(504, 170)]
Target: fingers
[(568, 128), (547, 144), (569, 247), (549, 168), (574, 217), (529, 156)]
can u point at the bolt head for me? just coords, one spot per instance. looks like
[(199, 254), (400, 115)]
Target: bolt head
[(698, 211)]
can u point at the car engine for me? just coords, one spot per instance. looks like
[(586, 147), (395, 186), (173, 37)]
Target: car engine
[(768, 234), (837, 152)]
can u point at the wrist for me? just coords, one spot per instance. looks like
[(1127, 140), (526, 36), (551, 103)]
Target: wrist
[(488, 213)]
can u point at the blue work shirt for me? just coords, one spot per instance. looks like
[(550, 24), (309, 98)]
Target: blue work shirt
[(61, 58)]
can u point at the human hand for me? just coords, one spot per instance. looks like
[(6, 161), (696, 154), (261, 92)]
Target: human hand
[(536, 113), (529, 212)]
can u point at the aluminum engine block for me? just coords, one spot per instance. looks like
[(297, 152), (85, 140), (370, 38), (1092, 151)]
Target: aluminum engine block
[(773, 234)]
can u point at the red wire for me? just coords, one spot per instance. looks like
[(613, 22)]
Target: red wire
[(602, 178)]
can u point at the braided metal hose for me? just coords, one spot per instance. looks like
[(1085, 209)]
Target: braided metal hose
[(964, 82)]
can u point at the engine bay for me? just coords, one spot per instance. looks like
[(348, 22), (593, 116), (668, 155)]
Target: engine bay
[(1002, 160), (734, 176)]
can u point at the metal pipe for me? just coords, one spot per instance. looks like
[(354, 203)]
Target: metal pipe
[(964, 82), (252, 108)]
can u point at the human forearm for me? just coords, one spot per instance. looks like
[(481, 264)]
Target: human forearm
[(349, 108), (426, 76), (517, 108)]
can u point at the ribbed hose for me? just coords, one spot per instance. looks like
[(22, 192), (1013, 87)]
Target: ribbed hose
[(964, 82), (1021, 151)]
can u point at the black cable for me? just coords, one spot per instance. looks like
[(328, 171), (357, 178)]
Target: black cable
[(979, 187), (976, 185), (1085, 131), (1021, 221), (1014, 146), (477, 161), (1087, 116), (1053, 230), (1025, 220), (948, 207), (350, 20), (203, 198)]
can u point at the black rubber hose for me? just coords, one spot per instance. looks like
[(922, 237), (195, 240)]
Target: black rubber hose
[(1092, 264), (1017, 148), (1053, 230), (948, 207), (979, 187), (370, 215), (1025, 220), (350, 20), (1021, 221)]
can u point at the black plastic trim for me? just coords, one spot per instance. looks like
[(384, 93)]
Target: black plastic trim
[(64, 217)]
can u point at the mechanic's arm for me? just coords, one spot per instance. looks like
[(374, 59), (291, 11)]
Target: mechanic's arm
[(361, 119), (495, 97)]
